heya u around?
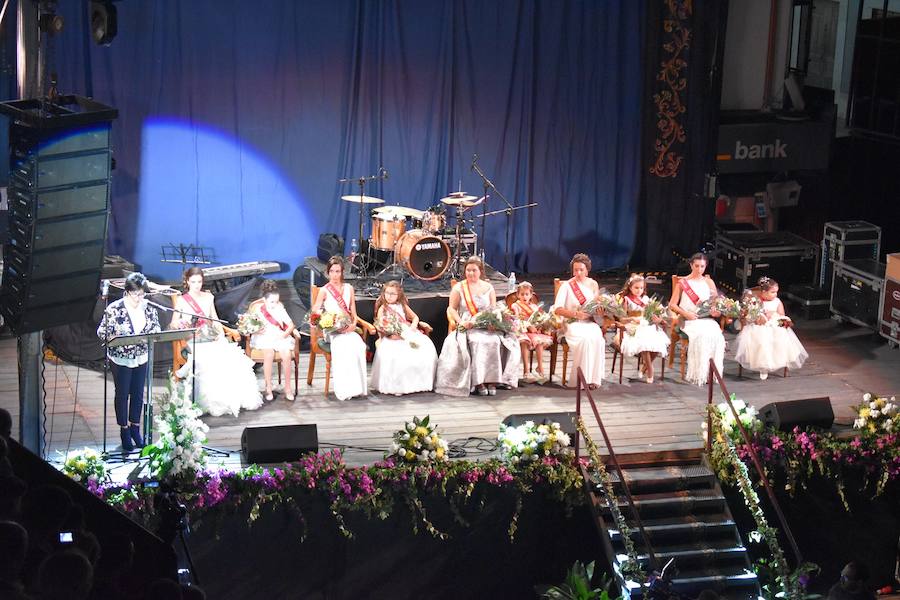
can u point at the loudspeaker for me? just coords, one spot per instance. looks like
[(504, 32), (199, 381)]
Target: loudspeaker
[(330, 244), (566, 421), (815, 412), (58, 212), (278, 443)]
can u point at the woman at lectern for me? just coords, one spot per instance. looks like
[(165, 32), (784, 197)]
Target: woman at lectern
[(129, 316)]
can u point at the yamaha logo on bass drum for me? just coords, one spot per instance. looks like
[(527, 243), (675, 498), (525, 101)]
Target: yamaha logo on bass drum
[(428, 246)]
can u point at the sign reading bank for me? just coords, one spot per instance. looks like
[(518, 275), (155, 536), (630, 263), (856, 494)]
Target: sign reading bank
[(773, 146)]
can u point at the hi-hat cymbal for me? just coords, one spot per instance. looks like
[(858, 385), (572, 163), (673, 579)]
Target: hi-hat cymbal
[(400, 211), (464, 200), (363, 199)]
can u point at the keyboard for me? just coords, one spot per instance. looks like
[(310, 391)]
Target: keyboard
[(246, 269)]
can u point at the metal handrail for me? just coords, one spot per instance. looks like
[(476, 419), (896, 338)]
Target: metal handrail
[(582, 383), (714, 373)]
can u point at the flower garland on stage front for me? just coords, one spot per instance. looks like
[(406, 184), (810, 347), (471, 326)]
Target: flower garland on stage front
[(179, 450)]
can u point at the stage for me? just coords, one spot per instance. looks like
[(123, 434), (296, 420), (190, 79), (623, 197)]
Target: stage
[(845, 361)]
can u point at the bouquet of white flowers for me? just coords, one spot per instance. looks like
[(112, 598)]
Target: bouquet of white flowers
[(877, 415), (419, 442), (529, 442), (492, 319), (249, 323), (84, 465), (544, 322), (390, 323)]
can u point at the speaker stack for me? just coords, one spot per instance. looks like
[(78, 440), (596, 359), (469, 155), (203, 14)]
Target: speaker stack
[(60, 164), (811, 412)]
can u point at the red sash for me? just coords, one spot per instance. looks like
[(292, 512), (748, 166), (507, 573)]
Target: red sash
[(467, 298), (579, 295), (196, 308), (268, 316), (525, 307), (637, 301), (686, 287), (338, 297)]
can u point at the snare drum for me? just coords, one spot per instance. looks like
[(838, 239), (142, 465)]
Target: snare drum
[(433, 222), (387, 229), (423, 255)]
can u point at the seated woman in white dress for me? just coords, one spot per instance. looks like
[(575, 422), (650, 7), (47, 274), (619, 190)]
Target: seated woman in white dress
[(225, 382), (770, 343), (348, 350), (404, 363), (583, 335), (641, 337), (475, 359), (705, 339), (276, 337)]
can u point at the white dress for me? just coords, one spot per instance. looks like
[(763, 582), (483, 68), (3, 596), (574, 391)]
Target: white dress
[(348, 354), (646, 337), (769, 347), (705, 336), (271, 337), (585, 338), (399, 368)]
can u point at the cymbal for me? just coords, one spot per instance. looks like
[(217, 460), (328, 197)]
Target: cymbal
[(400, 211), (362, 199), (464, 200)]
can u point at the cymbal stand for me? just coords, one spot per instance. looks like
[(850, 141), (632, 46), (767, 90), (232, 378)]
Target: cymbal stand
[(361, 182), (489, 185)]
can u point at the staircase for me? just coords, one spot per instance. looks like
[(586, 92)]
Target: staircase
[(685, 517)]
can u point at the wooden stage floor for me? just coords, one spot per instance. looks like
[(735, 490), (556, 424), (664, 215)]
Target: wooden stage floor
[(845, 361)]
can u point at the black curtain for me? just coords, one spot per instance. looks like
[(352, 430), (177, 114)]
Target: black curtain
[(680, 124)]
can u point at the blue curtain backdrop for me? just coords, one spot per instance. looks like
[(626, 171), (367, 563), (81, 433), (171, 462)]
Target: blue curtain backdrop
[(237, 118)]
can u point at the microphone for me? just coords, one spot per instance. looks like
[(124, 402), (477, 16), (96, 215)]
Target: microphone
[(384, 173), (104, 288)]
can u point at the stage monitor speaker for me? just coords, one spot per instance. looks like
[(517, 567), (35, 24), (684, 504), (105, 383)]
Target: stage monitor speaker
[(58, 211), (566, 421), (330, 244), (786, 415), (278, 443)]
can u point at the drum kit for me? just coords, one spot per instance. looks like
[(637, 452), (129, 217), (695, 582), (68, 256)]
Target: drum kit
[(417, 242)]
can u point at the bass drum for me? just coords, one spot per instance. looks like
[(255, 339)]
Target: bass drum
[(423, 255)]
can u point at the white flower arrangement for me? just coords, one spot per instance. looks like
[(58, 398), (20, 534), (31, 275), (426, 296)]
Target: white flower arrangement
[(419, 442), (877, 415), (746, 414), (179, 449), (84, 466), (529, 442)]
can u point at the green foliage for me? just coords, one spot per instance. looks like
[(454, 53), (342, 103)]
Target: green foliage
[(577, 585)]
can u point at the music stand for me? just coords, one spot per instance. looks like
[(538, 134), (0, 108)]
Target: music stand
[(170, 335)]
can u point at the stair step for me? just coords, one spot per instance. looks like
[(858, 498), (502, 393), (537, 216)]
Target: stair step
[(698, 557), (682, 528), (734, 583), (663, 478), (660, 504)]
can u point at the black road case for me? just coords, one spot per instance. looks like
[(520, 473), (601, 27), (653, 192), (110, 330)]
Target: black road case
[(810, 301), (890, 312), (743, 257), (856, 291), (847, 240)]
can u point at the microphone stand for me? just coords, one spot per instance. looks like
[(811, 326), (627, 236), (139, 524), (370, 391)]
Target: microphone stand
[(104, 293), (214, 451), (361, 182), (489, 185)]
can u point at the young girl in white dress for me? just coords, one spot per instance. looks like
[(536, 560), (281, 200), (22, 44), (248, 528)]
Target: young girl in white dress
[(348, 351), (641, 337), (584, 335), (276, 337), (225, 382), (532, 339), (769, 344), (403, 364), (475, 359), (704, 334)]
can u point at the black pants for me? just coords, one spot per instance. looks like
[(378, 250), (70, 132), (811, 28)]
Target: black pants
[(130, 382)]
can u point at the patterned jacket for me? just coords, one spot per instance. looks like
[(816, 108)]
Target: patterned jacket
[(116, 322)]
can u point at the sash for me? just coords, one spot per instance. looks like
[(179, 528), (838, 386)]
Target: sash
[(400, 315), (638, 301), (467, 298), (195, 306), (339, 298), (686, 287), (525, 307), (579, 295), (268, 316)]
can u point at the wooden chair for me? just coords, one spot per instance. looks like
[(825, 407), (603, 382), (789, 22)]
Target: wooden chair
[(678, 339), (511, 299), (559, 342), (754, 291), (315, 334), (617, 353), (178, 346), (256, 355)]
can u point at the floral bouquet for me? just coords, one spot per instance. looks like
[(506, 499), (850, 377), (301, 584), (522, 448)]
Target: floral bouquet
[(418, 442), (532, 442), (389, 323), (329, 323), (655, 309), (781, 321), (746, 415), (179, 450), (877, 415), (611, 304), (84, 466), (751, 308), (493, 319), (728, 308), (543, 321), (249, 323), (208, 332)]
